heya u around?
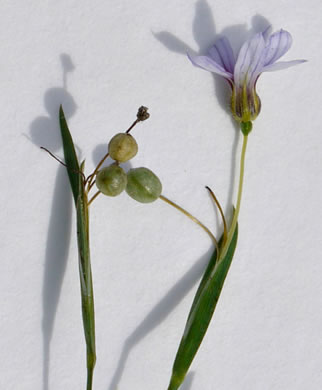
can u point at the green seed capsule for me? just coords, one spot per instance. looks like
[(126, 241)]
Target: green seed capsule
[(111, 181), (122, 147), (143, 185)]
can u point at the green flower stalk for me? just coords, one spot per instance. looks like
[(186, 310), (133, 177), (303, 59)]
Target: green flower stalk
[(258, 54)]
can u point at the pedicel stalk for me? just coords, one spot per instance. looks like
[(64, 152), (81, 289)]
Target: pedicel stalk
[(257, 55), (141, 184)]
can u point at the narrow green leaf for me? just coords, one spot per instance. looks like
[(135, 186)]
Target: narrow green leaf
[(70, 155), (201, 312), (85, 274)]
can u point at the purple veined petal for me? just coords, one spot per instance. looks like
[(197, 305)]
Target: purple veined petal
[(282, 65), (209, 64), (278, 44), (222, 53), (250, 60)]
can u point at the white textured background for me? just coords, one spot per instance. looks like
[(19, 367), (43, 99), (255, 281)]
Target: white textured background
[(102, 60)]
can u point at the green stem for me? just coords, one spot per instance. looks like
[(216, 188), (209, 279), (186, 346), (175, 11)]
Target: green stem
[(194, 219), (239, 196), (90, 371)]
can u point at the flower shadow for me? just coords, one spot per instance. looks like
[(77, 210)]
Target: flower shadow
[(205, 34), (44, 131)]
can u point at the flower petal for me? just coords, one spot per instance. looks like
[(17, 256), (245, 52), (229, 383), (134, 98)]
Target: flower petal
[(282, 65), (266, 33), (222, 53), (278, 44), (209, 64), (250, 61)]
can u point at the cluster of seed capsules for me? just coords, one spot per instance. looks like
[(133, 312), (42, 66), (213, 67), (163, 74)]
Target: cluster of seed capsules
[(141, 184)]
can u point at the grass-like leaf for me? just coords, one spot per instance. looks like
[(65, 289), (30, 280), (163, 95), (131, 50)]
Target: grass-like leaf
[(201, 312), (76, 179), (70, 155), (86, 283)]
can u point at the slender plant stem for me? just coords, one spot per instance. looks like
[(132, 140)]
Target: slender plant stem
[(239, 196), (132, 125), (61, 162), (91, 176), (90, 186), (212, 194), (93, 197), (89, 379), (194, 219)]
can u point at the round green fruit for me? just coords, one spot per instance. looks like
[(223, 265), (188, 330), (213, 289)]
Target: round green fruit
[(122, 147), (111, 181), (143, 185)]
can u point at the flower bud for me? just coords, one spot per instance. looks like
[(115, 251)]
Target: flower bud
[(111, 181), (143, 185), (245, 103), (122, 147)]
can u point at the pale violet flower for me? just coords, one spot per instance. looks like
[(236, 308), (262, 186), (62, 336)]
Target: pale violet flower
[(257, 55)]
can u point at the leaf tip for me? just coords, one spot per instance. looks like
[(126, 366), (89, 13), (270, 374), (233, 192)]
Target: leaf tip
[(61, 111)]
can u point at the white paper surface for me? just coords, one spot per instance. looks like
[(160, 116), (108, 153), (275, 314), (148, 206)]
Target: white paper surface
[(102, 60)]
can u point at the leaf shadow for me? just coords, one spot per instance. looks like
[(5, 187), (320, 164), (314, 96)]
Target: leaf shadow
[(187, 384), (44, 131), (159, 313)]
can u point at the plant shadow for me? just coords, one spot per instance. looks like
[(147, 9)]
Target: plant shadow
[(44, 131), (159, 313), (187, 384)]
